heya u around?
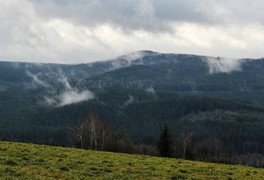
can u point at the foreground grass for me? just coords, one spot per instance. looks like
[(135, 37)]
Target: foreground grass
[(27, 161)]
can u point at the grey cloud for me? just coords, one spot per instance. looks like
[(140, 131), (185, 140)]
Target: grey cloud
[(151, 15), (235, 11), (21, 31), (25, 36), (73, 31)]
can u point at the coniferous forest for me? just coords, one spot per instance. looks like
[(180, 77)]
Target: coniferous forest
[(209, 114)]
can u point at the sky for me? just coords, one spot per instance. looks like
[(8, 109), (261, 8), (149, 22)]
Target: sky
[(82, 31)]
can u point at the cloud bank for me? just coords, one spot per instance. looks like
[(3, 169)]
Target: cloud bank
[(223, 65), (73, 96), (70, 31), (56, 97), (70, 95)]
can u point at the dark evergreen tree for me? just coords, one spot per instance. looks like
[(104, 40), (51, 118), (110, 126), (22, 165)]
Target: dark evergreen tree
[(165, 143)]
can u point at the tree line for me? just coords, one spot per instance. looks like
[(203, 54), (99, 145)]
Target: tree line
[(94, 134), (209, 149)]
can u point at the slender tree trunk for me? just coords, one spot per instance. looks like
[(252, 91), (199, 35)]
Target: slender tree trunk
[(95, 139), (103, 139), (92, 127), (81, 139)]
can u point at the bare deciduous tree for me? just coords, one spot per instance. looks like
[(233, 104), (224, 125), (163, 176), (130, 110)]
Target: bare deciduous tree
[(91, 132), (186, 140)]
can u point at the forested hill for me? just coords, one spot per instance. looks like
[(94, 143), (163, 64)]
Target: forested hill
[(136, 95)]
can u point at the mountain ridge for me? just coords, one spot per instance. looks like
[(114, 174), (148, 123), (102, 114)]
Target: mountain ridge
[(137, 93)]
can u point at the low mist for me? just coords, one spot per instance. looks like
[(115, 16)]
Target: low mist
[(55, 97), (223, 65), (70, 97)]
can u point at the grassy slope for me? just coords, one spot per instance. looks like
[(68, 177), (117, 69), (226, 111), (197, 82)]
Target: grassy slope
[(29, 161)]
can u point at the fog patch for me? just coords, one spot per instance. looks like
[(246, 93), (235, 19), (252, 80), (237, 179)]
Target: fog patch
[(37, 80), (64, 81), (70, 97), (134, 56), (223, 65), (130, 100), (128, 60), (151, 90), (49, 101)]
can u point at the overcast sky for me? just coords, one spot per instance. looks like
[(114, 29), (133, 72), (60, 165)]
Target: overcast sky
[(79, 31)]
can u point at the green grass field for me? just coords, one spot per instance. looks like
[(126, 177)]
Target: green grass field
[(27, 161)]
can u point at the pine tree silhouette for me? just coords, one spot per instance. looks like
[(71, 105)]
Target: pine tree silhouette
[(164, 143)]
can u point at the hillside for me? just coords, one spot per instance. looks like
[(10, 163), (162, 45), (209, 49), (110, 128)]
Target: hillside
[(30, 161), (122, 110), (136, 95)]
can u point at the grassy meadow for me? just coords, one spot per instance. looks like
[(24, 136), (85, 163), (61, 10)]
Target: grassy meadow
[(28, 161)]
